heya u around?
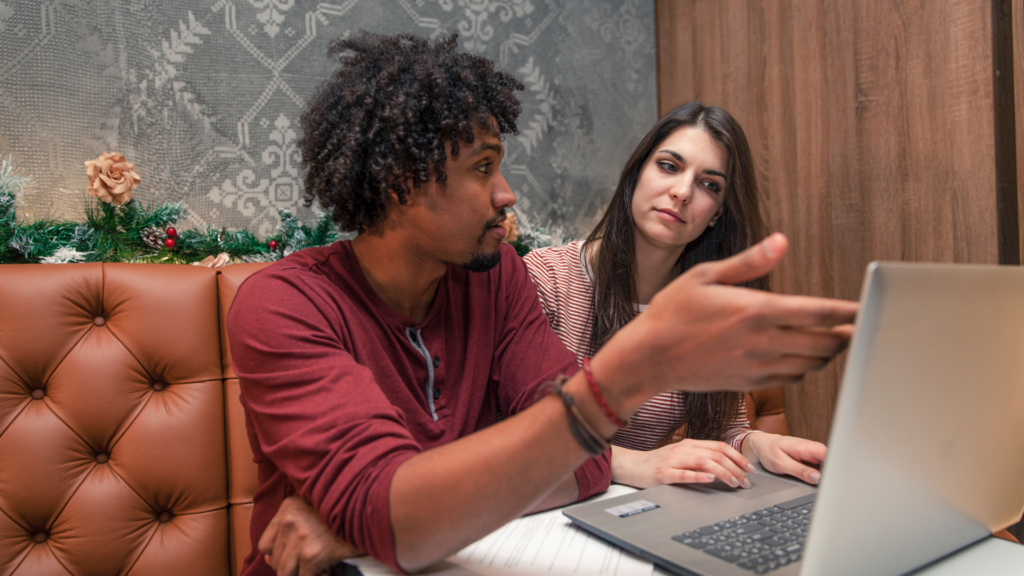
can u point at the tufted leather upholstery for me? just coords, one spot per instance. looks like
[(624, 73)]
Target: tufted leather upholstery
[(122, 443)]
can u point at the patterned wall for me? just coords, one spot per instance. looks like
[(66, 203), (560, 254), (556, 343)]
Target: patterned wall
[(205, 95)]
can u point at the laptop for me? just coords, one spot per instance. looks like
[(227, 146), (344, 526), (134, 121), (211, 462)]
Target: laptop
[(926, 452)]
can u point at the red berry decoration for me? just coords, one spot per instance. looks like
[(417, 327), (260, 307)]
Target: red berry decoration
[(172, 233), (169, 242), (272, 244)]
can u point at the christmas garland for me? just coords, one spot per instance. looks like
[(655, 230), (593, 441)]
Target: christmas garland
[(119, 228), (132, 232)]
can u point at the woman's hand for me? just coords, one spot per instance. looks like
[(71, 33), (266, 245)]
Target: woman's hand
[(786, 454), (684, 462)]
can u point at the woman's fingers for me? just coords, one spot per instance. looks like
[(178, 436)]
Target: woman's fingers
[(725, 449), (788, 454), (679, 476), (725, 471), (794, 468), (716, 458)]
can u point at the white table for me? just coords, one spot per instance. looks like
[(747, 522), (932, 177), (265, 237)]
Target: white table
[(547, 543)]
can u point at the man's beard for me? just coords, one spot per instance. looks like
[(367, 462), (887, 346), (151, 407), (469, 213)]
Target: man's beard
[(481, 261)]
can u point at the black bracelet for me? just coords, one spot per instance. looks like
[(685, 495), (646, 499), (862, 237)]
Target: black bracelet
[(588, 439)]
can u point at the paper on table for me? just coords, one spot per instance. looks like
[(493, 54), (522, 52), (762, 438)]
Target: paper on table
[(545, 543)]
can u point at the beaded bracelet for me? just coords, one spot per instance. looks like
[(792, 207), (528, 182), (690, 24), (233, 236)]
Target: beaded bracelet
[(600, 398), (588, 439)]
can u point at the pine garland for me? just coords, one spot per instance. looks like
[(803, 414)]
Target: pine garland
[(135, 232), (118, 234), (532, 236)]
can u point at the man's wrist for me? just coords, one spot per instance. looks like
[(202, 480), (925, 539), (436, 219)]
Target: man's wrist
[(588, 406), (618, 382)]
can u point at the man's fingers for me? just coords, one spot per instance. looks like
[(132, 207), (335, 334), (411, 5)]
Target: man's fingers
[(288, 559), (754, 262), (312, 560), (285, 535), (266, 543), (799, 311), (844, 330), (784, 342)]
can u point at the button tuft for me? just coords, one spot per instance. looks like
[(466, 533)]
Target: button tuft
[(164, 516), (158, 386), (102, 457), (437, 361), (437, 393), (40, 537), (99, 320), (38, 393)]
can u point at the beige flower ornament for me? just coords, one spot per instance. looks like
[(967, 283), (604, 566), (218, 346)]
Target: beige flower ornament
[(511, 228), (218, 261), (111, 178)]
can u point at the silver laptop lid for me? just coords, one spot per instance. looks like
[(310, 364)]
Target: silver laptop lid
[(926, 452)]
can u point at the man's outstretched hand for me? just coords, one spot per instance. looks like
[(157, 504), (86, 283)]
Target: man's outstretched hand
[(704, 333), (298, 543)]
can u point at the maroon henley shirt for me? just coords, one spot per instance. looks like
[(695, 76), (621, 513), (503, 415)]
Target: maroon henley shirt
[(339, 389)]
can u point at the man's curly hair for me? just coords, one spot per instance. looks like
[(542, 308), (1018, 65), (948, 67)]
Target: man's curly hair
[(384, 118)]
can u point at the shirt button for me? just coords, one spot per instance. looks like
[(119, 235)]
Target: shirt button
[(437, 393), (437, 361)]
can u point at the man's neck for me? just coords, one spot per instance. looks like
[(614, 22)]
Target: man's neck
[(403, 278)]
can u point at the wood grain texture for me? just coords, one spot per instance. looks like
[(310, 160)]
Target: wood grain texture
[(872, 126), (1017, 16)]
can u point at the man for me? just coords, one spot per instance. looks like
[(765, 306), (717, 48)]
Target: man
[(391, 381)]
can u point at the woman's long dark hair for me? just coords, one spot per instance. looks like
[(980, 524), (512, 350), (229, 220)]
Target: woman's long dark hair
[(707, 415)]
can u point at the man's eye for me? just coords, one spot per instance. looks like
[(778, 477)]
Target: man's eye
[(485, 168)]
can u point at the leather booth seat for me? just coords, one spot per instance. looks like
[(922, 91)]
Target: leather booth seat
[(122, 442), (123, 448)]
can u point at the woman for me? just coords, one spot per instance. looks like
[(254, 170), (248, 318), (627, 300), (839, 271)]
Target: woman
[(688, 194)]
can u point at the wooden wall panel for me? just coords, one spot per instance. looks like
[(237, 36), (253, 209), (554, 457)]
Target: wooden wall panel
[(1018, 82), (872, 127)]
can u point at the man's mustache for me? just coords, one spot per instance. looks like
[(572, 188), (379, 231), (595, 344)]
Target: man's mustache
[(496, 220)]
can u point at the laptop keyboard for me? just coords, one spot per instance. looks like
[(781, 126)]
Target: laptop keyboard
[(760, 541)]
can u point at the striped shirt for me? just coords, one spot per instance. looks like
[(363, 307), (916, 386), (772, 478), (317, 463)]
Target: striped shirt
[(566, 290)]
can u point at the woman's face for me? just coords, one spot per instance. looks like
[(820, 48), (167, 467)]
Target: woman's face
[(681, 189)]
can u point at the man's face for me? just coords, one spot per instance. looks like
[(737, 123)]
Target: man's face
[(462, 217)]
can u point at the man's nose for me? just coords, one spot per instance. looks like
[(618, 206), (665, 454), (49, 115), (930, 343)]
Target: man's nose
[(503, 196)]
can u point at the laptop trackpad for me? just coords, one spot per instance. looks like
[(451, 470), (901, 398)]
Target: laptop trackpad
[(762, 484)]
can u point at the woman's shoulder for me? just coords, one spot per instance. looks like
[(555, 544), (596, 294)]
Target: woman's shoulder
[(556, 262), (559, 265), (564, 254)]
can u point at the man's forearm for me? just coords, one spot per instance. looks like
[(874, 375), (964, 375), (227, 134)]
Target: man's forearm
[(443, 499), (567, 492)]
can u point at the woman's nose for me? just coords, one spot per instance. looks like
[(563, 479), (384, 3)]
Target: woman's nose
[(682, 191)]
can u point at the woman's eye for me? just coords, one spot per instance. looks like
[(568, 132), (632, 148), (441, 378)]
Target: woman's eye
[(713, 186), (667, 166)]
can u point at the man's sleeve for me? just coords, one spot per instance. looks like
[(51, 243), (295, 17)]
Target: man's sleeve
[(528, 354), (318, 415)]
